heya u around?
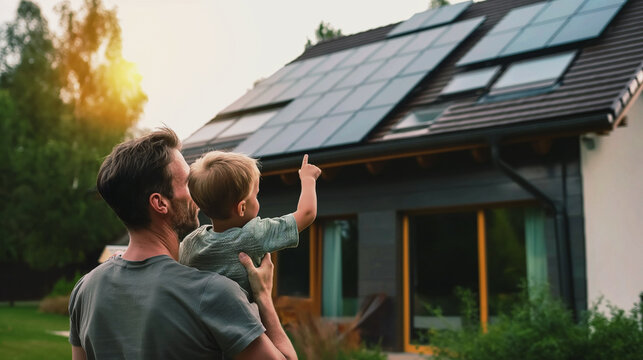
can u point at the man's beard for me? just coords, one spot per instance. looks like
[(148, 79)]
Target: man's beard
[(185, 217)]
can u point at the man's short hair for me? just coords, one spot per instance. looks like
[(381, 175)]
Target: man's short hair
[(133, 171), (218, 181)]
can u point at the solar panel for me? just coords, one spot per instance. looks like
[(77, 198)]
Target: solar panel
[(489, 47), (328, 81), (447, 14), (281, 73), (390, 48), (422, 40), (585, 26), (357, 127), (558, 9), (359, 74), (247, 124), (331, 61), (532, 38), (290, 112), (458, 31), (361, 54), (597, 4), (268, 95), (395, 90), (255, 141), (208, 132), (304, 68), (286, 137), (543, 71), (539, 26), (298, 88), (470, 80), (518, 18), (240, 103), (358, 98), (322, 106), (430, 18), (429, 59), (320, 132), (338, 98), (413, 23), (392, 67)]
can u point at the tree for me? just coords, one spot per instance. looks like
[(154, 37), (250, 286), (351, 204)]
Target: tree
[(434, 4), (324, 31), (63, 104)]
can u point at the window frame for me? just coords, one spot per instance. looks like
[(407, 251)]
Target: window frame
[(482, 267), (314, 300)]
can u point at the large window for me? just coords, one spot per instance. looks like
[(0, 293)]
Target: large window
[(320, 275), (467, 265)]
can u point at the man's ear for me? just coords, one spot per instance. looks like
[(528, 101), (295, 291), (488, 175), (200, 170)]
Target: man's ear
[(159, 203), (241, 208)]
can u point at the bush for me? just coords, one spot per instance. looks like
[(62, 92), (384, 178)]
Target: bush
[(64, 286), (55, 305), (58, 299), (617, 336), (317, 339), (540, 327)]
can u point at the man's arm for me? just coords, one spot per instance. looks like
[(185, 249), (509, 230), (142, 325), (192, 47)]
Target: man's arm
[(274, 344), (307, 206), (77, 353)]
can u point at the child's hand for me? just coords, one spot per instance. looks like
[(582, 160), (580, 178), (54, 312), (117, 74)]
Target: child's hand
[(308, 170)]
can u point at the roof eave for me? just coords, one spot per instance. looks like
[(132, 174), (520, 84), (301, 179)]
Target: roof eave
[(432, 143)]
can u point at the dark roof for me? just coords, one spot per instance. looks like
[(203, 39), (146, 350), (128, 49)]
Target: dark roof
[(598, 86), (594, 82)]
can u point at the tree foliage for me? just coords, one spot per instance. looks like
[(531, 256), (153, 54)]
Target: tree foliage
[(325, 31), (64, 102), (434, 4)]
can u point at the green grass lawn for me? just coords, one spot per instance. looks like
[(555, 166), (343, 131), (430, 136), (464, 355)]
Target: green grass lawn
[(24, 333)]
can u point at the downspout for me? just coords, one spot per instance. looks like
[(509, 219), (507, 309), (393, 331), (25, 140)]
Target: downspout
[(559, 210)]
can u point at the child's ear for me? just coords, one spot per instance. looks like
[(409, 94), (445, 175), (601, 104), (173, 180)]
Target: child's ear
[(241, 208)]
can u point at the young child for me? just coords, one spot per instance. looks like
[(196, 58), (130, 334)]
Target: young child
[(225, 185)]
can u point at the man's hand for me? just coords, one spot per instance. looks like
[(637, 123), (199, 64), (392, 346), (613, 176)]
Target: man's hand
[(274, 344), (260, 277), (308, 170)]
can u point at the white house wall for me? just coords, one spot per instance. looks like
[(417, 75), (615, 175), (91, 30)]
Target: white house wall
[(613, 203)]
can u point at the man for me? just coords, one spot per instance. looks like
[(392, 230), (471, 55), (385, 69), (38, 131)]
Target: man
[(145, 305)]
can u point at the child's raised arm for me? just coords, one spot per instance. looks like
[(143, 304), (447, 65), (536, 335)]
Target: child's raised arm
[(307, 206)]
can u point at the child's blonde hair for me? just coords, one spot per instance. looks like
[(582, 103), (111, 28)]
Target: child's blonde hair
[(219, 180)]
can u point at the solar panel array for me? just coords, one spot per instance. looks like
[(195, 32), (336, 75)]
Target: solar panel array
[(338, 98), (430, 18), (543, 25)]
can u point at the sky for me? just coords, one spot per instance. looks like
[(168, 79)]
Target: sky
[(198, 56)]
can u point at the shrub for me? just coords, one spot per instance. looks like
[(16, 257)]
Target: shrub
[(317, 339), (58, 299), (540, 327), (55, 305), (64, 286), (617, 336)]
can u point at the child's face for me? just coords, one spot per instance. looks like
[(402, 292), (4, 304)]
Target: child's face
[(252, 203)]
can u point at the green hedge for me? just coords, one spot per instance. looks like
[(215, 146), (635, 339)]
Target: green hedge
[(540, 327)]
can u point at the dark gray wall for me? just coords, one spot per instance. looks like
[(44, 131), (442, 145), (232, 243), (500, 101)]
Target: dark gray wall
[(455, 180)]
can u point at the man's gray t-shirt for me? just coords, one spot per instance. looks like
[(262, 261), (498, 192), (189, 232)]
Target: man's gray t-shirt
[(208, 250), (160, 309)]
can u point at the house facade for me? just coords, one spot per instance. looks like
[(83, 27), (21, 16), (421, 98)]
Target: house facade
[(466, 152)]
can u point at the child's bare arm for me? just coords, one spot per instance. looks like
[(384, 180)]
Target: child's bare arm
[(307, 206)]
